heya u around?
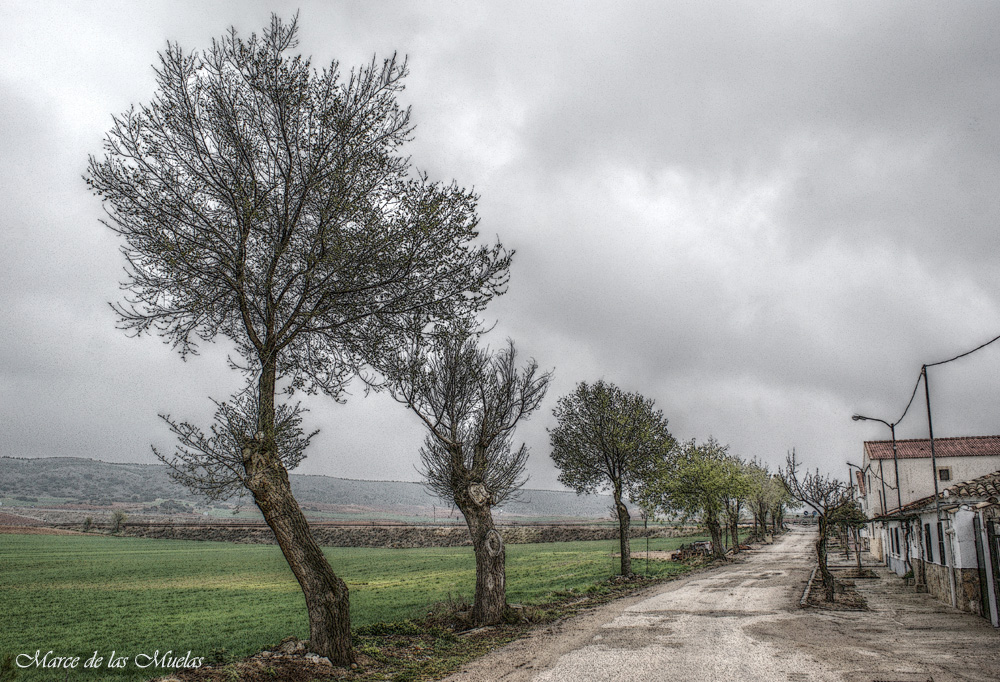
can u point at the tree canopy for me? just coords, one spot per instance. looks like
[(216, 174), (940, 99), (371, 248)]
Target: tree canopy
[(269, 202), (606, 438), (696, 483)]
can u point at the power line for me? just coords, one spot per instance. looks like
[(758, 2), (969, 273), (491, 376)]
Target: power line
[(932, 364), (912, 396), (920, 377)]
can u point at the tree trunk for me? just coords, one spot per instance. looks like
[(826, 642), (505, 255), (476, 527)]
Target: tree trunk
[(734, 532), (326, 595), (857, 548), (623, 530), (490, 602), (828, 583), (715, 530)]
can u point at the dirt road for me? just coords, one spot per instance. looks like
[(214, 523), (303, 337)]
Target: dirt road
[(743, 622)]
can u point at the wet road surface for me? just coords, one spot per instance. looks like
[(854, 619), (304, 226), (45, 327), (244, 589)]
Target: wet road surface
[(742, 621)]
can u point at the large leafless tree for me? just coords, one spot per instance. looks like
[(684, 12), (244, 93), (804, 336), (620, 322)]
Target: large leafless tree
[(607, 438), (471, 399), (269, 202)]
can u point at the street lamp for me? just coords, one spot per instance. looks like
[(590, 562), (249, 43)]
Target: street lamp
[(895, 460), (895, 465)]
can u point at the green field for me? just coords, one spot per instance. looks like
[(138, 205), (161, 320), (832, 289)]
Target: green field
[(76, 594)]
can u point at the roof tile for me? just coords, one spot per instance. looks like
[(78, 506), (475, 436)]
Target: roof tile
[(966, 446), (986, 489)]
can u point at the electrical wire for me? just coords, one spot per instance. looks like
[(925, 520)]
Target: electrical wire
[(932, 364), (920, 376), (912, 396)]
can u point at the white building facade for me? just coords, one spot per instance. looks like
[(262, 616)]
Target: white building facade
[(949, 543)]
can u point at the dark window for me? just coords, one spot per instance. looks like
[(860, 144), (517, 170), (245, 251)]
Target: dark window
[(941, 543), (928, 547), (895, 537), (944, 474)]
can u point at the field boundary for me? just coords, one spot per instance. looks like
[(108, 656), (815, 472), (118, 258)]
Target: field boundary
[(391, 536)]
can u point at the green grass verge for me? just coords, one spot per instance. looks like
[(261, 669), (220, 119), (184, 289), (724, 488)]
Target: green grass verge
[(76, 595)]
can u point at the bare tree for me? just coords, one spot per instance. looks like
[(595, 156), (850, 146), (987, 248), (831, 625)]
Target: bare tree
[(824, 495), (607, 438), (268, 202), (471, 399)]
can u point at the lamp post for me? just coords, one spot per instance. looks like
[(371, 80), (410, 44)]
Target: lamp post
[(899, 499), (895, 460)]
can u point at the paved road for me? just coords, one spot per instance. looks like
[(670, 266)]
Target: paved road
[(743, 622)]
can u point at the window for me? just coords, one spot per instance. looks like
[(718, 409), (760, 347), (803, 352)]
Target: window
[(895, 538), (928, 547), (944, 473), (941, 554)]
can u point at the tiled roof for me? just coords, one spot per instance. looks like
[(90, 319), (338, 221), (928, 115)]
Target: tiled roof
[(968, 446), (983, 489)]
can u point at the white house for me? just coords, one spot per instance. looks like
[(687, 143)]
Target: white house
[(951, 544), (896, 475)]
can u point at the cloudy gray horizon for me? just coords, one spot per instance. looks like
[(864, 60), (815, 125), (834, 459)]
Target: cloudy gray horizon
[(764, 216)]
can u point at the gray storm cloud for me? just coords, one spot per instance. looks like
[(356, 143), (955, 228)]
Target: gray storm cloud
[(763, 216)]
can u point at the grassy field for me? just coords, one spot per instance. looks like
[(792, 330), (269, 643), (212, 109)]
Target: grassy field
[(77, 594)]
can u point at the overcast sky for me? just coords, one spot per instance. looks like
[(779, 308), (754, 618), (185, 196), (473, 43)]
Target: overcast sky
[(764, 216)]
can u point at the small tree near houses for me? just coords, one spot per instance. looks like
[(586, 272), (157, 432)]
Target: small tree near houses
[(824, 495)]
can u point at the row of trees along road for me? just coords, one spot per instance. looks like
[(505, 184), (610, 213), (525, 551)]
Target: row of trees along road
[(606, 439), (704, 481), (269, 203)]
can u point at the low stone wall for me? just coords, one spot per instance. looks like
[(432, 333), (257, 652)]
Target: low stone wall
[(966, 586), (938, 585), (396, 536)]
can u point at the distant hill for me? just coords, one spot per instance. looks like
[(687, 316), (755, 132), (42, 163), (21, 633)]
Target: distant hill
[(93, 482)]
